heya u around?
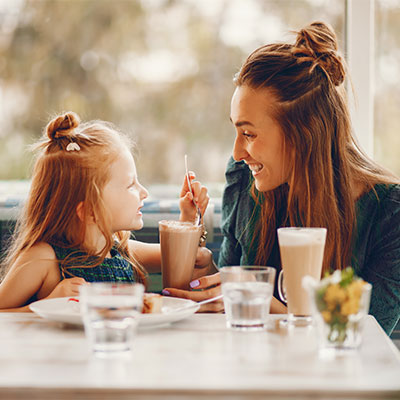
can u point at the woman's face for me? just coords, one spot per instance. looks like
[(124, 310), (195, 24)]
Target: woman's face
[(259, 140)]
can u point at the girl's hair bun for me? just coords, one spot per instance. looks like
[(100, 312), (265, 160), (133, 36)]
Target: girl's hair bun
[(317, 43), (62, 126)]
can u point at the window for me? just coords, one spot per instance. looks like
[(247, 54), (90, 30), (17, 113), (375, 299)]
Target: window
[(160, 70), (387, 84)]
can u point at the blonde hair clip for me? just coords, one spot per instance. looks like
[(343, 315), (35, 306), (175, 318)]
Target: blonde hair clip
[(73, 146)]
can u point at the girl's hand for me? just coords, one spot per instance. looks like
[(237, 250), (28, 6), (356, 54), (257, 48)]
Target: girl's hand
[(68, 287), (186, 205), (206, 287)]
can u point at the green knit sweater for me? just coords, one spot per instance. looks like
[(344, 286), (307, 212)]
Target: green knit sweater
[(376, 240)]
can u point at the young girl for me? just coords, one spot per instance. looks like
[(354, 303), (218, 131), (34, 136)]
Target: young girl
[(84, 200)]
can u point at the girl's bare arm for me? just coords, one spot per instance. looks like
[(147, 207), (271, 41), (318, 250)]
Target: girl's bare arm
[(35, 272), (26, 276), (147, 254)]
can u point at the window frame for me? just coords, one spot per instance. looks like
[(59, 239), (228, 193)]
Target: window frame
[(359, 50)]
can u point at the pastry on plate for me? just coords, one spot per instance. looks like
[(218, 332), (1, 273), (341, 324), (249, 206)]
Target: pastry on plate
[(152, 303)]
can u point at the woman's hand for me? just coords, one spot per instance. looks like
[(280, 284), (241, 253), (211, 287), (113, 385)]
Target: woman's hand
[(68, 287), (277, 307), (206, 287), (186, 205), (204, 264)]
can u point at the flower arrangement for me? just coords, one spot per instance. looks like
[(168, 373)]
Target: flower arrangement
[(342, 299)]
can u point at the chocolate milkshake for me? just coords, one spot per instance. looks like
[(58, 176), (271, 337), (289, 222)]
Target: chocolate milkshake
[(179, 242)]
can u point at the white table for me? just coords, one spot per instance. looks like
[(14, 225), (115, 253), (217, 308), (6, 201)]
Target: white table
[(197, 358)]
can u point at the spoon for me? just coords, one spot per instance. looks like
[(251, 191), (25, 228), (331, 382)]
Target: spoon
[(198, 212), (188, 306)]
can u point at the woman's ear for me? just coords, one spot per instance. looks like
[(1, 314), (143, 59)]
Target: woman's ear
[(83, 215)]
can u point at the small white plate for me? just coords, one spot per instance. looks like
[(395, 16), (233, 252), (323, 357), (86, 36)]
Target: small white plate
[(62, 309)]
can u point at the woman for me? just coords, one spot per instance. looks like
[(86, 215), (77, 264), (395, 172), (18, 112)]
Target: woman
[(296, 163)]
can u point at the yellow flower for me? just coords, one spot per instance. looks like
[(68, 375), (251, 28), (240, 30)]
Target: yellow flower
[(350, 306), (327, 316), (355, 289), (334, 296)]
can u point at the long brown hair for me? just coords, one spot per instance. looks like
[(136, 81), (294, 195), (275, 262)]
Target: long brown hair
[(63, 179), (306, 80)]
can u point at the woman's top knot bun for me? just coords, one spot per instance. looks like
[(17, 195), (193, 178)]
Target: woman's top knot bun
[(62, 126), (317, 44)]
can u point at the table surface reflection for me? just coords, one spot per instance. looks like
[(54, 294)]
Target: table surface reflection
[(197, 358)]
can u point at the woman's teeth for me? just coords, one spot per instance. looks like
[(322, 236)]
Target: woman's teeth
[(255, 168)]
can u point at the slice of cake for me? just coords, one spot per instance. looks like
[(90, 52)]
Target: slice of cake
[(152, 303)]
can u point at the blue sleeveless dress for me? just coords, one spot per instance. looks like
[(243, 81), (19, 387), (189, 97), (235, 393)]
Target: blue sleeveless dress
[(75, 263)]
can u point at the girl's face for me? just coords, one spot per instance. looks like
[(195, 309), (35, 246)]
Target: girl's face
[(123, 195), (259, 140)]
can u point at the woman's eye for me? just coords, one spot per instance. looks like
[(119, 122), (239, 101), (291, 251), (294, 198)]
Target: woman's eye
[(247, 135)]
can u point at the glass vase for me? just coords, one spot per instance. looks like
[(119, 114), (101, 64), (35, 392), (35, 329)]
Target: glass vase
[(340, 329)]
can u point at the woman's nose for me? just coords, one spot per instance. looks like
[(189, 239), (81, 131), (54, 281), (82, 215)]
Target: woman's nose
[(239, 150)]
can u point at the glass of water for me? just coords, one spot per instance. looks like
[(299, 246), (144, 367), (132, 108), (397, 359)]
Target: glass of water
[(110, 312), (247, 294)]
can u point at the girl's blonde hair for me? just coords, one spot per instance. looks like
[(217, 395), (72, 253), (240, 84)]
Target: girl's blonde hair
[(61, 180), (306, 80)]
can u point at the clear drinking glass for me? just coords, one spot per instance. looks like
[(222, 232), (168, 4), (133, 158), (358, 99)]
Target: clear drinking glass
[(302, 253), (247, 292), (110, 312)]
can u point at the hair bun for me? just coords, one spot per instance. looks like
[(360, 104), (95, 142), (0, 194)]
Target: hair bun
[(62, 126), (317, 43)]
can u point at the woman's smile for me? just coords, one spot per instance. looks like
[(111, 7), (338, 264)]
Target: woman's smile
[(255, 168), (259, 142)]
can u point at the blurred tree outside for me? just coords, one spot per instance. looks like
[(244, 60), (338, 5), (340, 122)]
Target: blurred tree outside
[(161, 70)]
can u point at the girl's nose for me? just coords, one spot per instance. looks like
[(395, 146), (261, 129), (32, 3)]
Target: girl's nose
[(239, 150), (143, 193)]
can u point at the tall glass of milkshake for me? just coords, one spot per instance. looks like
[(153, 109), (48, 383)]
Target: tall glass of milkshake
[(179, 243), (302, 253)]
